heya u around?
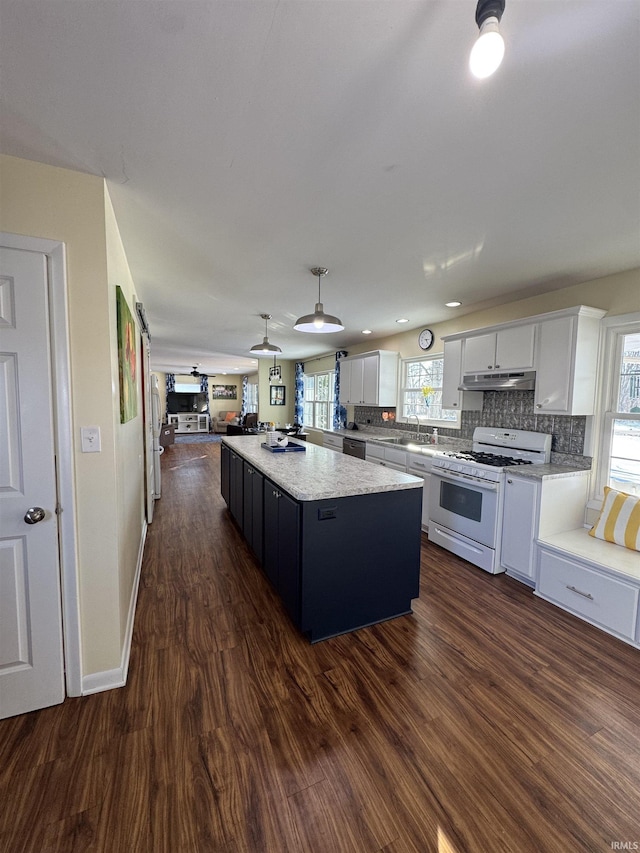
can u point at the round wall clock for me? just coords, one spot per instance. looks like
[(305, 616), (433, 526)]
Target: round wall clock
[(425, 339)]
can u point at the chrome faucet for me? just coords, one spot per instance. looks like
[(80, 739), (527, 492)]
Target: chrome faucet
[(418, 430)]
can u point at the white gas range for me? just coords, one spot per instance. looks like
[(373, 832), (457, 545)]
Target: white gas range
[(466, 492)]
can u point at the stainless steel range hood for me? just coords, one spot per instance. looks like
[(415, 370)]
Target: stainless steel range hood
[(523, 381)]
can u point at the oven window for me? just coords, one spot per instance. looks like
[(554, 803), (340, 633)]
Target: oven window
[(461, 500)]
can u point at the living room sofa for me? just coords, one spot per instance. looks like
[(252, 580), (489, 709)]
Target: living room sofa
[(222, 419)]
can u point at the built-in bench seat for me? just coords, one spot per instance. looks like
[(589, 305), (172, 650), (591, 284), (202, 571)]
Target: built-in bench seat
[(595, 580)]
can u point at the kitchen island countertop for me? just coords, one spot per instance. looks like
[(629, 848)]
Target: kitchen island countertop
[(318, 473)]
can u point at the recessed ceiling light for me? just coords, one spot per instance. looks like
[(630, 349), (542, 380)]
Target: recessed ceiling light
[(366, 331), (402, 320), (453, 304)]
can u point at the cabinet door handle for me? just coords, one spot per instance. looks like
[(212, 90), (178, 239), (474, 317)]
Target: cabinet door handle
[(510, 482), (583, 594), (497, 366)]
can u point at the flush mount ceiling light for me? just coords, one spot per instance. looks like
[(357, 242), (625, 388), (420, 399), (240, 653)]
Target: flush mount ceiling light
[(487, 52), (454, 304), (402, 320), (318, 322), (265, 348)]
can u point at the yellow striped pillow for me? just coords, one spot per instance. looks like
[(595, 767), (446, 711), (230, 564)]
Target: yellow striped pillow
[(619, 519)]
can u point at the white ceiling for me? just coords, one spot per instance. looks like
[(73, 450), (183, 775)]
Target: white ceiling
[(245, 141)]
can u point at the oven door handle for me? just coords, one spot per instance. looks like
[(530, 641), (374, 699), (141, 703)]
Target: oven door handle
[(462, 479)]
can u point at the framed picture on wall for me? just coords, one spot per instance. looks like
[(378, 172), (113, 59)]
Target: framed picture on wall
[(225, 392), (277, 397), (126, 359)]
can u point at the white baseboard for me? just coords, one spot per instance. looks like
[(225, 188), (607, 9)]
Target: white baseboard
[(109, 679)]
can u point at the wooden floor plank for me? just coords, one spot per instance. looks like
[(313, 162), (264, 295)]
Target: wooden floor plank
[(487, 721)]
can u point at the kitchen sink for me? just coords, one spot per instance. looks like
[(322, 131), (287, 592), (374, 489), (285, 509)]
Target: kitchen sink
[(403, 442)]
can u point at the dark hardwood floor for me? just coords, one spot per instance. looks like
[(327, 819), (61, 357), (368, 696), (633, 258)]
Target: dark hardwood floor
[(486, 721)]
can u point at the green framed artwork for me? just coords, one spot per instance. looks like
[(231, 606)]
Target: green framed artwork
[(127, 362)]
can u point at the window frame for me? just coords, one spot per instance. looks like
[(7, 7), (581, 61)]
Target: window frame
[(316, 403), (452, 423), (615, 329)]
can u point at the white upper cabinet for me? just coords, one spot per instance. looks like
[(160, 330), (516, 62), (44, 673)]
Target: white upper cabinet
[(567, 361), (505, 349), (369, 379), (452, 397), (561, 346)]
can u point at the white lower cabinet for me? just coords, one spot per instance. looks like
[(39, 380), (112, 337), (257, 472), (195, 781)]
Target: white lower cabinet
[(332, 442), (390, 457), (535, 507), (519, 528), (420, 466), (608, 602)]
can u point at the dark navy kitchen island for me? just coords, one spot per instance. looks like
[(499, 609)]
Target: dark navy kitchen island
[(339, 538)]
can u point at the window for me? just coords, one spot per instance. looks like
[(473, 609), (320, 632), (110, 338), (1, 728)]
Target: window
[(252, 397), (187, 387), (319, 399), (620, 439), (421, 393)]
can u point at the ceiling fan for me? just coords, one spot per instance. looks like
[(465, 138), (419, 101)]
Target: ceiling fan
[(195, 372)]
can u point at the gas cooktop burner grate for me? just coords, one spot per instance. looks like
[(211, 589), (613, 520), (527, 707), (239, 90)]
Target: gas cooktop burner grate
[(492, 459), (497, 460)]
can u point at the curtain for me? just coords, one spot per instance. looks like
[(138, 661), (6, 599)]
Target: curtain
[(204, 388), (339, 411), (298, 402), (171, 386), (245, 396)]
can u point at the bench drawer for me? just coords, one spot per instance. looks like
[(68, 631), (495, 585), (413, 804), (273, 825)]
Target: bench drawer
[(596, 597)]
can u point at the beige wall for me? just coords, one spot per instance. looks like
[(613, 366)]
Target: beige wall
[(224, 405), (277, 414), (58, 204), (129, 449)]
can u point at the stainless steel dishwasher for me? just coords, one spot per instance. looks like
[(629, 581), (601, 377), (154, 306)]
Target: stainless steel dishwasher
[(354, 447)]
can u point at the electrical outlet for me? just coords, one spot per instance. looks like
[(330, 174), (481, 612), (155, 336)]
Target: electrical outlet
[(90, 438)]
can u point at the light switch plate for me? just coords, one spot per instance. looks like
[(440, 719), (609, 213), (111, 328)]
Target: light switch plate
[(90, 438)]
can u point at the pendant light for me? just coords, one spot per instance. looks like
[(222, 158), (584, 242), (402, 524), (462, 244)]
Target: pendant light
[(319, 322), (488, 51), (265, 348)]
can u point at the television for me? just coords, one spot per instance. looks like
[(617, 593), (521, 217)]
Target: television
[(180, 403)]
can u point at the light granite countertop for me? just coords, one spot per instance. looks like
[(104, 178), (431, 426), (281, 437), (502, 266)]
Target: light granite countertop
[(319, 473), (546, 472)]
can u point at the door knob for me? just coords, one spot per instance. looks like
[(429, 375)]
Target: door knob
[(34, 514)]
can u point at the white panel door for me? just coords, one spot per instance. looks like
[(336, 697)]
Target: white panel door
[(31, 660)]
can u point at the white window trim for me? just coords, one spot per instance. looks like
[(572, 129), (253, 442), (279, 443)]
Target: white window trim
[(606, 396), (432, 422), (331, 402)]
